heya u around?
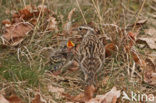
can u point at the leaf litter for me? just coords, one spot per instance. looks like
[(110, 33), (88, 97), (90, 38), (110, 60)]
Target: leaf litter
[(27, 19), (24, 21)]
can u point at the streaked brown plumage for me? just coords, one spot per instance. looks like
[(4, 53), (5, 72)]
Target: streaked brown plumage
[(91, 56)]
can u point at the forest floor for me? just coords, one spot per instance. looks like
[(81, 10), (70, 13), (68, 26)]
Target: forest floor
[(39, 28)]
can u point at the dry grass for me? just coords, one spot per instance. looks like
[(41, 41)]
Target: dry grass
[(24, 69)]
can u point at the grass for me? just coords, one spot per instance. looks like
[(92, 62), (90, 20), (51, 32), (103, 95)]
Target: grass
[(31, 68)]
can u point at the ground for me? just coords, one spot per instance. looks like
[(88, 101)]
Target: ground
[(25, 69)]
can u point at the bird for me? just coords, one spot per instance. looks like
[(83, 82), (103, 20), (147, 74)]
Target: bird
[(91, 55), (62, 57)]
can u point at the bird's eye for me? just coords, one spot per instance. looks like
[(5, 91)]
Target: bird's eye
[(80, 29)]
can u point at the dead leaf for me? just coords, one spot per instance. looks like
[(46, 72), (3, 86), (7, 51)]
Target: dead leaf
[(132, 35), (152, 57), (141, 22), (3, 99), (109, 49), (16, 32), (150, 41), (89, 92), (150, 72), (38, 99), (83, 97), (6, 22), (14, 99), (150, 78), (138, 59), (151, 31), (109, 97), (52, 24), (26, 13)]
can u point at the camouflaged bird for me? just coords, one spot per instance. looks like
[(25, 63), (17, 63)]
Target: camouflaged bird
[(91, 55), (61, 58)]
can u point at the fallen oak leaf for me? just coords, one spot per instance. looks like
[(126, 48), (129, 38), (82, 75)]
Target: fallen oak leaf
[(15, 33)]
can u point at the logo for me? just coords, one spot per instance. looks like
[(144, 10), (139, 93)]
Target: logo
[(138, 97)]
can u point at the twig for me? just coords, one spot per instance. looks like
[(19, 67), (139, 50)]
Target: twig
[(137, 17), (81, 12)]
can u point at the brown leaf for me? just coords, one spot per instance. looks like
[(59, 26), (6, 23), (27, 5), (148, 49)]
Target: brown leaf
[(52, 24), (132, 35), (6, 22), (150, 72), (16, 32), (138, 59), (83, 97), (151, 31), (109, 49), (14, 99), (38, 99), (150, 41), (25, 14), (141, 22), (150, 78), (89, 92), (109, 97)]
